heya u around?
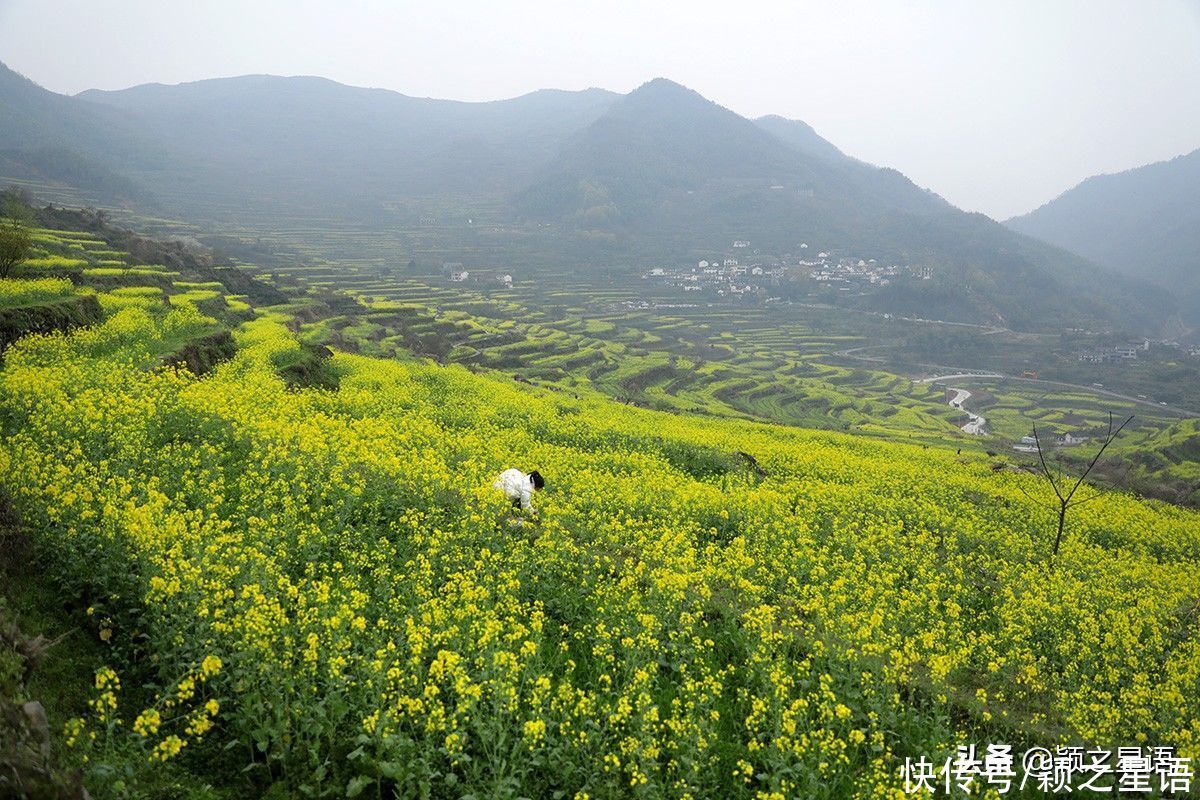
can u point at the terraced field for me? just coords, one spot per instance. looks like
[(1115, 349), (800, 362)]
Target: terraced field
[(732, 361), (759, 361), (70, 268), (643, 346)]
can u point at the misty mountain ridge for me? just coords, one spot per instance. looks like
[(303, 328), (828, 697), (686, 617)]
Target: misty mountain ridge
[(800, 135), (594, 177), (1143, 222)]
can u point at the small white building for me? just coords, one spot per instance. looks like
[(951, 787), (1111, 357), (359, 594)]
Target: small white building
[(505, 279), (459, 275)]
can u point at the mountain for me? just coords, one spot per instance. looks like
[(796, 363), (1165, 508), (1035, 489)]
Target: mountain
[(48, 137), (665, 162), (666, 172), (590, 178), (1144, 222), (310, 145), (801, 136)]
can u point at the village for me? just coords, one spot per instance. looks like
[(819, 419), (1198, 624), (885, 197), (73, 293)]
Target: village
[(458, 273), (743, 273), (1126, 352)]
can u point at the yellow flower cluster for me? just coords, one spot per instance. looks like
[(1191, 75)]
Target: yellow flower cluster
[(14, 292), (169, 710), (674, 625)]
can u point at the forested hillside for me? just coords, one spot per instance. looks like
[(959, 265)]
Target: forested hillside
[(602, 182), (1144, 222)]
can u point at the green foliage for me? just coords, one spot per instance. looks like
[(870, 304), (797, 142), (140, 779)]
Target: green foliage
[(15, 242), (672, 624), (16, 205), (1142, 222), (42, 306)]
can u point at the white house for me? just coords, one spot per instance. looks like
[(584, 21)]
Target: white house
[(458, 276)]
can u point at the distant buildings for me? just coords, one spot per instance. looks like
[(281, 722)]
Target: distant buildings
[(1030, 444), (755, 273), (457, 273), (1113, 354)]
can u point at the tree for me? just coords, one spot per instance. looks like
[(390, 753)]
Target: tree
[(16, 216), (15, 241), (1065, 498), (16, 203)]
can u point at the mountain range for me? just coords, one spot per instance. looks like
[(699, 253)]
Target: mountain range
[(1143, 222), (606, 181)]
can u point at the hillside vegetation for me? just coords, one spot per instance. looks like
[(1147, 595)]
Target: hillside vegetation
[(316, 591), (604, 183), (1143, 222)]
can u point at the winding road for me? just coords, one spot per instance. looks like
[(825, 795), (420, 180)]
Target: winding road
[(975, 423)]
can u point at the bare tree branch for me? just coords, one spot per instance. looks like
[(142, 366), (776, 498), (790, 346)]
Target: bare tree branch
[(1112, 435), (1045, 468), (1067, 501)]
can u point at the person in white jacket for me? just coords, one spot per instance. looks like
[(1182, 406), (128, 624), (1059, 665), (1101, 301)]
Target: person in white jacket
[(519, 486)]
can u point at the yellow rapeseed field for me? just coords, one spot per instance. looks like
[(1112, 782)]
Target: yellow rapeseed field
[(326, 588)]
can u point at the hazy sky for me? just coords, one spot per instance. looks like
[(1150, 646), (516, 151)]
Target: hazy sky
[(997, 106)]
